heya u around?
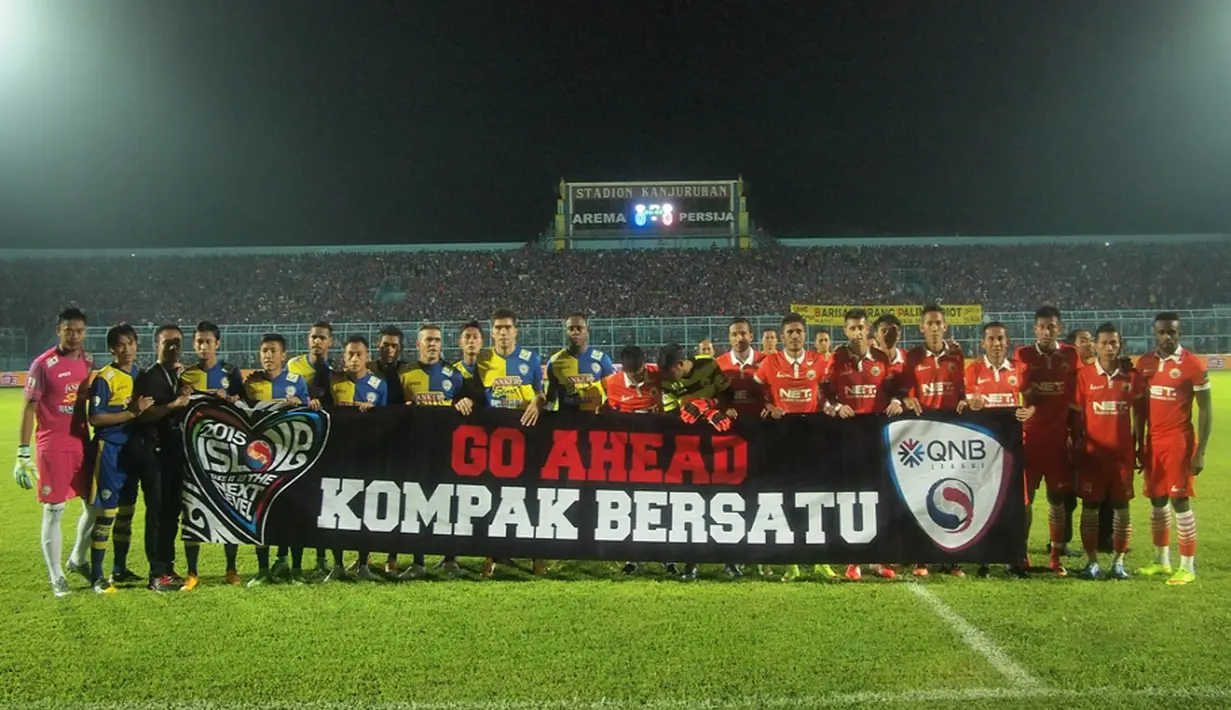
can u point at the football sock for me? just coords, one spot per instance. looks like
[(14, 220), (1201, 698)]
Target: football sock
[(322, 560), (231, 551), (1122, 532), (283, 551), (52, 540), (297, 558), (81, 544), (1186, 530), (1055, 525), (1089, 532), (363, 558), (419, 560), (337, 558), (121, 535), (1160, 531), (262, 559), (192, 553), (99, 535)]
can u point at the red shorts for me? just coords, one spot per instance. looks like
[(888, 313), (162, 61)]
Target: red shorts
[(1099, 479), (1168, 465), (62, 473), (1047, 459)]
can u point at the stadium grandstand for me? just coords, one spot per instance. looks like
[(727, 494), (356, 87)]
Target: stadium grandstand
[(691, 292)]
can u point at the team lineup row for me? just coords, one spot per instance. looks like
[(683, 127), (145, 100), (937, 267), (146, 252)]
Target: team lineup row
[(1089, 419)]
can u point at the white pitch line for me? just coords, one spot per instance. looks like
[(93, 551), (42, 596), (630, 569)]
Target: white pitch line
[(977, 640), (855, 699)]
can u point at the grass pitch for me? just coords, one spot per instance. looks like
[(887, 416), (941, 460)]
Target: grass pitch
[(589, 638)]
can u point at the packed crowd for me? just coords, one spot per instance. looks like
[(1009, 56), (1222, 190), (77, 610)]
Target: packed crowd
[(457, 285)]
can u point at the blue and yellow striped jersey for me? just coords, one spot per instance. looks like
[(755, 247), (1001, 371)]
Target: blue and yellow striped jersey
[(318, 377), (576, 382), (510, 382), (222, 376), (110, 393), (434, 385), (369, 389), (260, 388)]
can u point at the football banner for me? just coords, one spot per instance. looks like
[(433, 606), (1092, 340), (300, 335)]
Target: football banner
[(909, 315), (12, 379), (803, 489)]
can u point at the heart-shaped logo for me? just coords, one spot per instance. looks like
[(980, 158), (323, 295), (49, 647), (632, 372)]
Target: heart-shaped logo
[(242, 458)]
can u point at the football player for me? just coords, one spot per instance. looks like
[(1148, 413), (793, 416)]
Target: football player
[(575, 373), (512, 378), (362, 389), (57, 466), (223, 380), (112, 408), (1107, 400), (1173, 456), (274, 382)]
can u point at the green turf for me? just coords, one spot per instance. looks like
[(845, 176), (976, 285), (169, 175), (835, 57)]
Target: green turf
[(589, 638)]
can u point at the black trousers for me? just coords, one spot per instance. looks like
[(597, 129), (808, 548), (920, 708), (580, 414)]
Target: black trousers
[(160, 471)]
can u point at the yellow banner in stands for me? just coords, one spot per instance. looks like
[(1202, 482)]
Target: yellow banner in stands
[(909, 315)]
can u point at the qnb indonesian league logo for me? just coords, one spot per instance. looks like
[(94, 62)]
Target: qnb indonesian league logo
[(953, 477), (244, 458)]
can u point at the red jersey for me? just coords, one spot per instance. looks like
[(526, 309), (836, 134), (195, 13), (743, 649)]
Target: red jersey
[(1105, 401), (937, 381), (59, 384), (793, 385), (897, 361), (861, 383), (748, 400), (1171, 382), (624, 396), (1001, 386), (1053, 378)]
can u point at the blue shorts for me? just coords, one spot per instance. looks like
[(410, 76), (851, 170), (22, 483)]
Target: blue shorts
[(110, 482)]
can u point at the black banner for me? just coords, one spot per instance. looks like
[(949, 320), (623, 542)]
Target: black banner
[(937, 488)]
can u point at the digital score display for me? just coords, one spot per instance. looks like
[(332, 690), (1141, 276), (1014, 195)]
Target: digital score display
[(661, 208)]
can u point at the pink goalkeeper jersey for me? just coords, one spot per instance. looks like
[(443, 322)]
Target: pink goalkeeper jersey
[(59, 384)]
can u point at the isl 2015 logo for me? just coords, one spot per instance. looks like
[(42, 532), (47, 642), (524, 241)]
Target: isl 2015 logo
[(243, 458)]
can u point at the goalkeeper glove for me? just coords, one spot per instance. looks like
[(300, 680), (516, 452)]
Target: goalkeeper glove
[(718, 419), (694, 410), (24, 470)]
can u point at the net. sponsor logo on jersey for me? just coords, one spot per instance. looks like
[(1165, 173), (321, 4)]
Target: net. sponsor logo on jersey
[(240, 459), (936, 389), (952, 477)]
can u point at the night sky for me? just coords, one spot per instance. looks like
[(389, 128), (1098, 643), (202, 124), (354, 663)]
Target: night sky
[(257, 122)]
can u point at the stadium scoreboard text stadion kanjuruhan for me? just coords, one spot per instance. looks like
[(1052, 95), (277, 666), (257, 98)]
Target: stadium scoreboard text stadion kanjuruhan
[(678, 211)]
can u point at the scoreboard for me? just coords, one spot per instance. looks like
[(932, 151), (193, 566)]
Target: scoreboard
[(632, 210)]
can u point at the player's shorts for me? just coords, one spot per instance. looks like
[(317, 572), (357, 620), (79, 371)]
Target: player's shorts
[(108, 477), (1100, 479), (1168, 465), (62, 472), (1047, 459)]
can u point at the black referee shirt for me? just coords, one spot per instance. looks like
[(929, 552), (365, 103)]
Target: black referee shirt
[(162, 384)]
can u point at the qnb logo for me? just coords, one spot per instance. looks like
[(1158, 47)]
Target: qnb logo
[(943, 454), (910, 453), (951, 505)]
